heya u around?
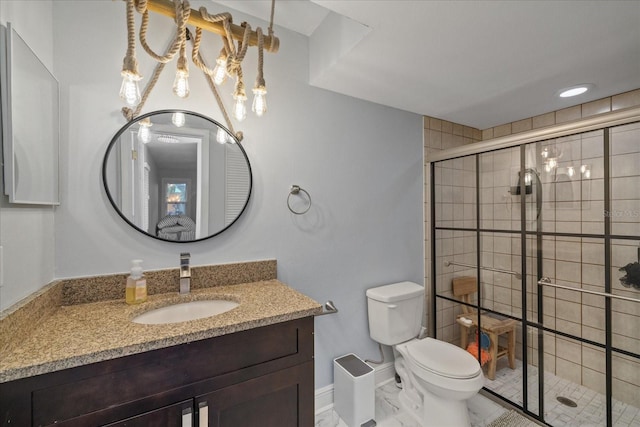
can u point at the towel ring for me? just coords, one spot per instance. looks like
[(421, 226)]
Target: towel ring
[(295, 189)]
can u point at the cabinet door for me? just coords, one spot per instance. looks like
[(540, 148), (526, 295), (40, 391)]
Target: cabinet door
[(281, 399), (178, 415)]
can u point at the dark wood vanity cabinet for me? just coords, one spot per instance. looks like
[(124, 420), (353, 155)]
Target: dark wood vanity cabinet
[(259, 377), (178, 415)]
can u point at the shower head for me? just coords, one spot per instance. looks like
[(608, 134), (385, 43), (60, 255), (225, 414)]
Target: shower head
[(528, 177)]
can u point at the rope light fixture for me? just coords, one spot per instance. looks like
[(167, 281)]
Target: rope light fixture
[(236, 40)]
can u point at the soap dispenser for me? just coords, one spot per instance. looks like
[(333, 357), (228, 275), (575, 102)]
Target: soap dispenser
[(136, 284)]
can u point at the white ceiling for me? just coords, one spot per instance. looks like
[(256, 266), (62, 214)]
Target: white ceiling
[(478, 63)]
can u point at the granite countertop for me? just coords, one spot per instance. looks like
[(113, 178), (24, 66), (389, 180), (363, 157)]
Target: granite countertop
[(85, 333)]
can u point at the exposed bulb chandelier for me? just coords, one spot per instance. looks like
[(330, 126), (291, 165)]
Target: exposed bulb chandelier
[(551, 155), (235, 39)]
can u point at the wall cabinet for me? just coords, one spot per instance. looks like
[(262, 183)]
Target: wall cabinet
[(259, 377)]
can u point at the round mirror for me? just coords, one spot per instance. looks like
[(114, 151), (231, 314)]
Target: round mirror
[(177, 176)]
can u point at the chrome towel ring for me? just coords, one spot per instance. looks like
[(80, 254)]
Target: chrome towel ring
[(295, 190)]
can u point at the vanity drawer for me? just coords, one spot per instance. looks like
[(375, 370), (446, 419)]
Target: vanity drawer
[(176, 415), (117, 388)]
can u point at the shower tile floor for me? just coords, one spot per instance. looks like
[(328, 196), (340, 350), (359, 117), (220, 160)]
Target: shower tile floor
[(590, 411)]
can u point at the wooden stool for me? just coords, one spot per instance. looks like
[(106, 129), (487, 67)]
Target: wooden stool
[(463, 287)]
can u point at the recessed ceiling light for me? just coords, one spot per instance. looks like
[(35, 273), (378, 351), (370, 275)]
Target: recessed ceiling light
[(574, 90), (168, 139)]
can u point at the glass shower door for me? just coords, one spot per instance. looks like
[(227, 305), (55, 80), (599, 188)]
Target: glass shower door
[(570, 240), (554, 246), (501, 268)]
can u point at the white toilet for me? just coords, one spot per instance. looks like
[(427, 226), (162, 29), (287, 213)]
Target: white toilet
[(437, 377)]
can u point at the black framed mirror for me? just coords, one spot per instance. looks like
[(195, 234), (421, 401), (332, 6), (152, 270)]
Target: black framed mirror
[(177, 176)]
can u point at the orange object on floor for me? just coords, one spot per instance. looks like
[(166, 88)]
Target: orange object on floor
[(485, 356)]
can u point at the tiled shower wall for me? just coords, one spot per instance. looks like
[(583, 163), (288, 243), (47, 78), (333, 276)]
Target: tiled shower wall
[(442, 135), (567, 260)]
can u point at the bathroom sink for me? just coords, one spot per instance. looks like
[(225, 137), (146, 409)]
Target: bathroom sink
[(185, 311)]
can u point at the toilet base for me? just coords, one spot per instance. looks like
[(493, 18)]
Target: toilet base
[(431, 411), (427, 408)]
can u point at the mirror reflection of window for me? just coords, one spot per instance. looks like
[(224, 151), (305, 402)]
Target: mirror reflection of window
[(176, 198)]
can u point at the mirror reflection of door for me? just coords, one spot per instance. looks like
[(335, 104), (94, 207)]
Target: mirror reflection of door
[(145, 196), (179, 174), (164, 179), (134, 180)]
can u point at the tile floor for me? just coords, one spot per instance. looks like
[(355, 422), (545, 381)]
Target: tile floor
[(590, 411), (482, 410)]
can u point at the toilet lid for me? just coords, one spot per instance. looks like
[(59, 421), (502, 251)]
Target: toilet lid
[(443, 358)]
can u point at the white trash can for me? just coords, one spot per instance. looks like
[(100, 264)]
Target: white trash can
[(354, 391)]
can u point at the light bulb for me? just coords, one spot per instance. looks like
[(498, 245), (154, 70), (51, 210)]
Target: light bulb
[(178, 119), (571, 171), (545, 153), (220, 71), (583, 168), (181, 83), (587, 173), (527, 178), (221, 136), (239, 108), (144, 134), (259, 105), (144, 130), (129, 90), (553, 163)]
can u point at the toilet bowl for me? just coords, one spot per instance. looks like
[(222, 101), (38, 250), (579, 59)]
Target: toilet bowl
[(437, 377), (443, 377)]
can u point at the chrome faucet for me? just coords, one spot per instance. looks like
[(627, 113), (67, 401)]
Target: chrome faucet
[(185, 273)]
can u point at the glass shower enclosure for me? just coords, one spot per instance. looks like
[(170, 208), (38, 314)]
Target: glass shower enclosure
[(544, 232)]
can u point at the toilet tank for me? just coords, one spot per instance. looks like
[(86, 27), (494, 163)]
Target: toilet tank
[(395, 312)]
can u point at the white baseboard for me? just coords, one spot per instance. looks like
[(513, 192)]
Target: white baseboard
[(384, 373), (324, 395), (324, 398)]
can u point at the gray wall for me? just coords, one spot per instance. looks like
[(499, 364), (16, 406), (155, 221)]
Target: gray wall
[(27, 231), (361, 162)]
